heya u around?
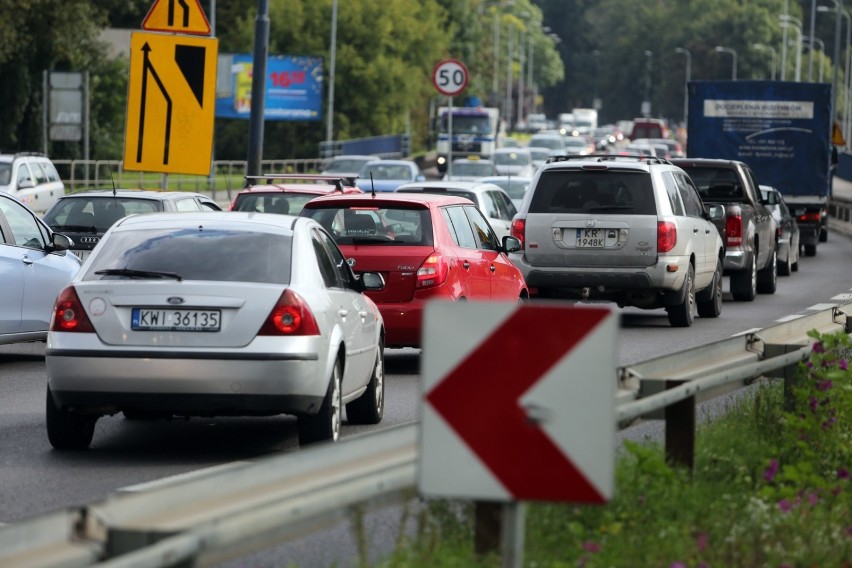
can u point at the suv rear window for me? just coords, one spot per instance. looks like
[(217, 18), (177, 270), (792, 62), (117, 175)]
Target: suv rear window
[(100, 212), (368, 225), (581, 191)]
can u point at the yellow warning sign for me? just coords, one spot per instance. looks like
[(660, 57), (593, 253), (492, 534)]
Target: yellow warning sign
[(837, 136), (171, 102), (178, 16)]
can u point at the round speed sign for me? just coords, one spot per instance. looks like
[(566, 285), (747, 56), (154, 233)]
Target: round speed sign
[(450, 77)]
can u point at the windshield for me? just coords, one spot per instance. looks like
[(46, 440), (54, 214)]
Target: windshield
[(385, 171), (514, 187), (194, 254), (467, 124), (552, 143), (511, 158), (5, 173), (281, 203), (345, 165), (99, 212), (474, 169)]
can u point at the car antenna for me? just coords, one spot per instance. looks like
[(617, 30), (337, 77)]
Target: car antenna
[(112, 180), (372, 185)]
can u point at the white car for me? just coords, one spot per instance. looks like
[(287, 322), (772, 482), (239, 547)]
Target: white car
[(513, 162), (492, 200), (32, 178), (215, 314)]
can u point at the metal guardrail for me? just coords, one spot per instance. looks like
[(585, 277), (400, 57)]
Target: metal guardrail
[(239, 508)]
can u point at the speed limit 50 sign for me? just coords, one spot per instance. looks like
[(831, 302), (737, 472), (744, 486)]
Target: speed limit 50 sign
[(450, 77)]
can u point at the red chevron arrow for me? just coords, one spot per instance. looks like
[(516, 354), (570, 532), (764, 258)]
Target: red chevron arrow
[(480, 400)]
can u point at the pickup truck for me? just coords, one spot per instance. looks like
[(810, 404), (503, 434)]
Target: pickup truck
[(748, 229)]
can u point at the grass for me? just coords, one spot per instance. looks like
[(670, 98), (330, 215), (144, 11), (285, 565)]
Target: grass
[(770, 487)]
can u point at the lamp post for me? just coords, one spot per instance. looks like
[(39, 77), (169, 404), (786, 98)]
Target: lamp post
[(762, 47), (688, 55), (847, 120), (530, 77), (646, 104), (811, 52), (507, 107), (733, 53), (812, 42), (329, 125), (797, 24), (521, 55), (595, 100)]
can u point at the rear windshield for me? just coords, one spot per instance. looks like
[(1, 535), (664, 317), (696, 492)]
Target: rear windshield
[(211, 254), (582, 191), (716, 184), (83, 213), (284, 204), (385, 226)]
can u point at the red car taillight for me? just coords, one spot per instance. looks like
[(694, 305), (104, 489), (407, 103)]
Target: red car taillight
[(734, 230), (666, 236), (519, 227), (290, 316), (68, 313), (433, 271), (810, 217)]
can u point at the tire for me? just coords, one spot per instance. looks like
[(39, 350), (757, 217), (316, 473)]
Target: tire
[(68, 430), (744, 283), (683, 314), (370, 406), (786, 267), (810, 250), (767, 278), (712, 307), (324, 426)]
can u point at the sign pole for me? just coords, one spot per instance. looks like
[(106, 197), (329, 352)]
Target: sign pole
[(450, 136), (514, 522)]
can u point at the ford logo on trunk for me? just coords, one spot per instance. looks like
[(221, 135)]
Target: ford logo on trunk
[(175, 300)]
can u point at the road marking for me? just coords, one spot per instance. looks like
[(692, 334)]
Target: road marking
[(820, 307), (157, 483)]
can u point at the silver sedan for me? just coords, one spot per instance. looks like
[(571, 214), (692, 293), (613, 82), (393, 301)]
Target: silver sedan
[(215, 314)]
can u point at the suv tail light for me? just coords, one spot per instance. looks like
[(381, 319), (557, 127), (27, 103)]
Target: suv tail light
[(290, 316), (518, 229), (734, 230), (69, 315), (810, 217), (666, 236), (433, 271)]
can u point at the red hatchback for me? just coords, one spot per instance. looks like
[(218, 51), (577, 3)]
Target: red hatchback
[(426, 247), (287, 193)]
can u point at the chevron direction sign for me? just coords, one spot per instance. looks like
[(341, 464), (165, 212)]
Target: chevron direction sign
[(519, 402)]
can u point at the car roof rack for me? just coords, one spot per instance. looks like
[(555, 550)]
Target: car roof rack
[(39, 154), (609, 158), (338, 181)]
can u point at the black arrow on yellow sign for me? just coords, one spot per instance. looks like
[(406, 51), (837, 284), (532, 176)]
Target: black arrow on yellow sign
[(171, 17), (148, 67)]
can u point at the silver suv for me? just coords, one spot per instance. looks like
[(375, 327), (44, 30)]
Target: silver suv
[(627, 229)]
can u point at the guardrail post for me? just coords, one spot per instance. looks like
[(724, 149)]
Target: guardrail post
[(680, 430), (787, 373), (488, 526)]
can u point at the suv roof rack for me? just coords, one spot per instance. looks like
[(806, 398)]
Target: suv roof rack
[(609, 158), (39, 154), (339, 180)]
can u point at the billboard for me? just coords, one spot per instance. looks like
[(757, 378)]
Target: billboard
[(294, 87)]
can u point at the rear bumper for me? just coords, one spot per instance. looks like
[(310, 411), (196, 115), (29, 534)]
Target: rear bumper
[(736, 260)]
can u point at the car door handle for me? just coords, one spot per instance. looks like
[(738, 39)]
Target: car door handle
[(363, 314), (26, 260), (342, 313), (695, 229), (466, 264)]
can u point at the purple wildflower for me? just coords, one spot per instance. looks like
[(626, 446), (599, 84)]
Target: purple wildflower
[(842, 473), (677, 564), (818, 347), (843, 365), (769, 472), (813, 499), (785, 505), (590, 546), (824, 385), (814, 403), (703, 540)]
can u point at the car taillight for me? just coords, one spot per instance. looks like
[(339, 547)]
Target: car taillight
[(433, 271), (666, 236), (734, 230), (68, 313), (810, 217), (290, 316), (519, 227)]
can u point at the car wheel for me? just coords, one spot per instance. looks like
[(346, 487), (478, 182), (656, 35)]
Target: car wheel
[(369, 407), (810, 250), (68, 430), (712, 307), (767, 278), (325, 424), (744, 283), (683, 314), (786, 267)]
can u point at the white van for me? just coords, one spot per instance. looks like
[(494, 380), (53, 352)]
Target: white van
[(32, 178)]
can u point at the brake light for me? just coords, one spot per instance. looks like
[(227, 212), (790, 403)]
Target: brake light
[(290, 316), (666, 236), (734, 230), (68, 313), (518, 230), (810, 217), (433, 271)]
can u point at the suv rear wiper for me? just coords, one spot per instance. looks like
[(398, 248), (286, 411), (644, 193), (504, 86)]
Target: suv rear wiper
[(131, 273)]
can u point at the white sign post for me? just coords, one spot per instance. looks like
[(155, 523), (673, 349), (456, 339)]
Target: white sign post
[(450, 78)]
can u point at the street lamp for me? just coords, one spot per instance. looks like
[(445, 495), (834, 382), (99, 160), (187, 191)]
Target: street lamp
[(797, 24), (720, 49), (688, 55), (597, 55), (329, 125), (762, 47), (838, 8), (646, 104), (521, 55), (810, 41)]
